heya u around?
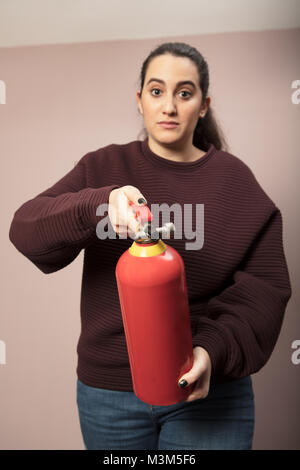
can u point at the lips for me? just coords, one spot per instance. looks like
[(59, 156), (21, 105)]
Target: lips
[(168, 124)]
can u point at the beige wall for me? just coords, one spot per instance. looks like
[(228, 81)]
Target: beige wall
[(63, 101)]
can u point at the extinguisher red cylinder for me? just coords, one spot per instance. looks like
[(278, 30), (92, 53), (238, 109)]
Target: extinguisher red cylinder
[(154, 304)]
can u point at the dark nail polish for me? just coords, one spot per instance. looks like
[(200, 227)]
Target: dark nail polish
[(141, 200), (183, 383)]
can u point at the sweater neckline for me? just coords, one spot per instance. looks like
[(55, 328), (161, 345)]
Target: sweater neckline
[(171, 164)]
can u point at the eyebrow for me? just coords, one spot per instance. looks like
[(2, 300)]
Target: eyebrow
[(183, 82)]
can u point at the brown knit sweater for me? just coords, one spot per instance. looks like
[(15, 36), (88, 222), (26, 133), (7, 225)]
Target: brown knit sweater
[(238, 282)]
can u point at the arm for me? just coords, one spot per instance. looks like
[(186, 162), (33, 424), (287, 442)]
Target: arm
[(53, 227), (243, 323)]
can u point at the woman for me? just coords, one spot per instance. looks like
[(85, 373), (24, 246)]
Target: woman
[(237, 277)]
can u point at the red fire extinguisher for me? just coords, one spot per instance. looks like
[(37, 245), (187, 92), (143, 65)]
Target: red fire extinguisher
[(154, 303)]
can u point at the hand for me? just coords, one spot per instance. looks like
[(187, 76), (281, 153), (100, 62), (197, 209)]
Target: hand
[(121, 215), (200, 372)]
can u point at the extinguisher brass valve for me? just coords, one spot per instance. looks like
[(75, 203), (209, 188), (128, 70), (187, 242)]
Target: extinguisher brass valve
[(148, 233)]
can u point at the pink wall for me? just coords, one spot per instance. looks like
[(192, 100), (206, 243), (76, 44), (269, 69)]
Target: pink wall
[(63, 101)]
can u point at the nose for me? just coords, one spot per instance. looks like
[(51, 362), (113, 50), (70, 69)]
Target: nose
[(169, 106)]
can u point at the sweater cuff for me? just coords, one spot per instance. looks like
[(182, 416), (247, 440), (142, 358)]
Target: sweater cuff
[(210, 338)]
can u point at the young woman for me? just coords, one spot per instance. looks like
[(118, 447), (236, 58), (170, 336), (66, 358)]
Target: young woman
[(237, 277)]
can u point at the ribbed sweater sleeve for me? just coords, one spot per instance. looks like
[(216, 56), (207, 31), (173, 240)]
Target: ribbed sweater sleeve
[(243, 322), (52, 228)]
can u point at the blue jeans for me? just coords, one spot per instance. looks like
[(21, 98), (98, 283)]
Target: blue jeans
[(113, 419)]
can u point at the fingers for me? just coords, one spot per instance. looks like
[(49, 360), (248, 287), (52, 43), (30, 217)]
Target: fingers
[(201, 390), (122, 216), (133, 194), (199, 375)]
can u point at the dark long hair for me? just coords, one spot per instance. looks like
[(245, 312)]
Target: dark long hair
[(207, 130)]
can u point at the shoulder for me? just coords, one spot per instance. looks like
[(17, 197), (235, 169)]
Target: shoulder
[(240, 177), (110, 154), (112, 150), (234, 165)]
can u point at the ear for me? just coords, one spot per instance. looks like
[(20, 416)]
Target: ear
[(205, 107), (138, 99)]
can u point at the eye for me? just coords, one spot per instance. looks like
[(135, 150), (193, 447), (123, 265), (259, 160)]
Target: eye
[(154, 89), (184, 91)]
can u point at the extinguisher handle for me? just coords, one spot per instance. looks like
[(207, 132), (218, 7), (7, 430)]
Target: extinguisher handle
[(141, 213)]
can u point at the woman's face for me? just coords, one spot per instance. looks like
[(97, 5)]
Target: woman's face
[(165, 99)]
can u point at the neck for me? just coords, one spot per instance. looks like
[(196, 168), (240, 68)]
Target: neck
[(177, 152)]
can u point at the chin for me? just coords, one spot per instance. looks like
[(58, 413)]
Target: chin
[(166, 138)]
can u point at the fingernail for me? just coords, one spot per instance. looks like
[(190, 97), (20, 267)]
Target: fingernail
[(183, 383), (141, 200)]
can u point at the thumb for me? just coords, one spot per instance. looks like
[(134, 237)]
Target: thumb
[(190, 377), (134, 195)]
